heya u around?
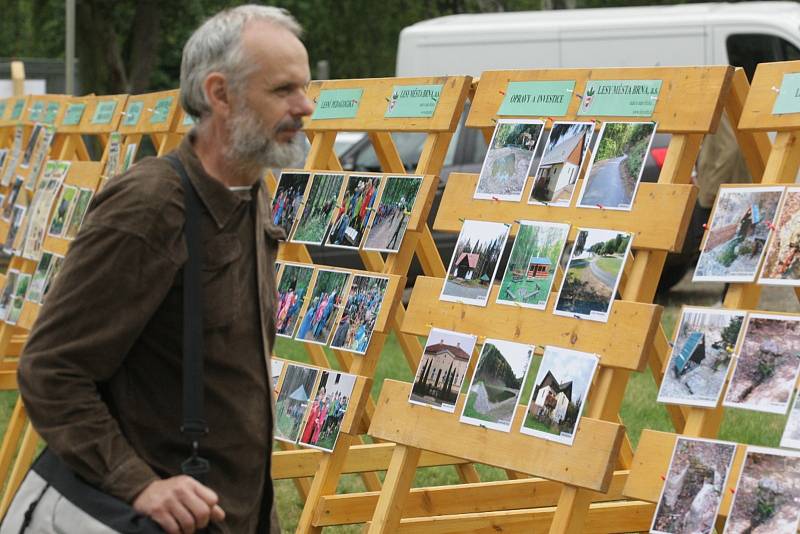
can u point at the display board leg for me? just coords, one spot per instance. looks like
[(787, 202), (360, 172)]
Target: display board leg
[(571, 511), (396, 486), (27, 450)]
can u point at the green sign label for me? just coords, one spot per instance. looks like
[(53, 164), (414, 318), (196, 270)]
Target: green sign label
[(537, 99), (788, 100), (36, 111), (161, 110), (412, 101), (73, 114), (133, 113), (51, 112), (188, 120), (104, 112), (16, 111), (620, 98), (3, 106), (337, 104)]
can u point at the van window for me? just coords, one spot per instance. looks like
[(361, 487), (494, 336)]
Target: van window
[(747, 50)]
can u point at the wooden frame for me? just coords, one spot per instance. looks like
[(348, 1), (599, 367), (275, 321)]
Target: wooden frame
[(775, 164), (672, 197)]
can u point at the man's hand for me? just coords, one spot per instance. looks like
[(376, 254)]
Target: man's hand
[(181, 505)]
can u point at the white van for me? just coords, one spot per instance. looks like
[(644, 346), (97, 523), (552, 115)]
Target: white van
[(742, 34)]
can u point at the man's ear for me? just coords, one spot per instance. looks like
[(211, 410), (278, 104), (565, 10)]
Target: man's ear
[(217, 94)]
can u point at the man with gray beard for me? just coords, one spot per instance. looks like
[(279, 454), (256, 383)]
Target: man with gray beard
[(101, 375)]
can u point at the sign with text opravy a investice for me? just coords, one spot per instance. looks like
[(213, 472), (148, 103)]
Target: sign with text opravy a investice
[(337, 104), (620, 98), (413, 101), (537, 99), (788, 100)]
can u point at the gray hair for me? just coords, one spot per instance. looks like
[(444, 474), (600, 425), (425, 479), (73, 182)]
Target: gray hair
[(216, 46)]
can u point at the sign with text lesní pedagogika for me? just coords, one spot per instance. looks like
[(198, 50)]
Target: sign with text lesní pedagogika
[(788, 100), (537, 99), (620, 98), (337, 104)]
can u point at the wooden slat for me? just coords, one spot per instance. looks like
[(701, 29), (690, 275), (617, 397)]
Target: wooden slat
[(587, 463), (458, 499), (695, 91), (654, 205), (621, 342), (757, 113), (602, 518), (360, 459), (376, 96)]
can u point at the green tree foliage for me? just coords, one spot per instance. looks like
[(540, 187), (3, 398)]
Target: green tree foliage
[(134, 46), (495, 369)]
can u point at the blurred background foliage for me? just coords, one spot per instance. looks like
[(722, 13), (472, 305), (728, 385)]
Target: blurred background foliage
[(134, 46)]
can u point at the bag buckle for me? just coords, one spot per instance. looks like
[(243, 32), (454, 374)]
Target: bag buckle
[(195, 465)]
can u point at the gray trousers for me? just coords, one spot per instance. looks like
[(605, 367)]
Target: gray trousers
[(53, 514)]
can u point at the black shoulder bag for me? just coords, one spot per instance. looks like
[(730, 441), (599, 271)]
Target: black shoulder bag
[(114, 513)]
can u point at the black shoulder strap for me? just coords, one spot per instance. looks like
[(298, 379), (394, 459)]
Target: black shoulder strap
[(194, 425)]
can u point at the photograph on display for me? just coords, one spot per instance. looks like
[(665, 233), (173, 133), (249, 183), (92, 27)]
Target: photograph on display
[(564, 153), (533, 264), (474, 263), (321, 428), (326, 300), (318, 210), (288, 199), (8, 293), (78, 213), (442, 369), (791, 432), (508, 161), (293, 401), (767, 496), (767, 365), (782, 259), (58, 261), (114, 149), (704, 346), (617, 164), (13, 158), (42, 204), (28, 154), (292, 290), (18, 214), (497, 383), (692, 492), (393, 213), (559, 394), (39, 156), (361, 308), (11, 199), (36, 291), (737, 234), (592, 274), (130, 156), (352, 217), (18, 298), (276, 366), (63, 210)]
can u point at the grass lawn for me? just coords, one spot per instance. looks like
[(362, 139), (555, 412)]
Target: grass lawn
[(536, 286), (639, 411), (609, 264), (534, 424)]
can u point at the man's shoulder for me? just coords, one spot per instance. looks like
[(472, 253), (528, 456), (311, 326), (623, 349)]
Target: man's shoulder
[(145, 200)]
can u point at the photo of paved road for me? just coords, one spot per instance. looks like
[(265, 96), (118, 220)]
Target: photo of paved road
[(606, 185), (617, 165), (592, 273)]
